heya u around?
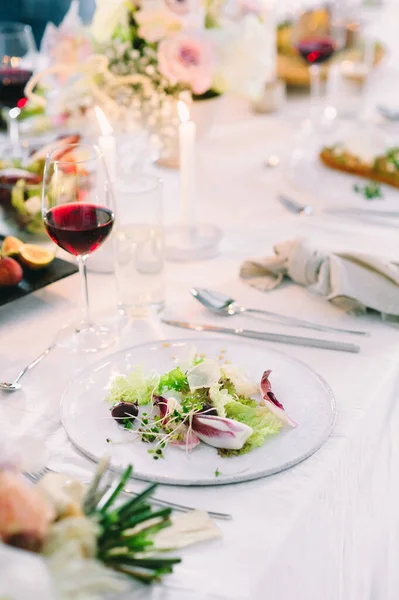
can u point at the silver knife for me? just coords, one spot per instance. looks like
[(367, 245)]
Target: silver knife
[(364, 212), (309, 210), (268, 337)]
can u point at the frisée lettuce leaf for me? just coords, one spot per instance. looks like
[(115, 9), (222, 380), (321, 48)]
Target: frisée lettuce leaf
[(174, 380), (137, 386)]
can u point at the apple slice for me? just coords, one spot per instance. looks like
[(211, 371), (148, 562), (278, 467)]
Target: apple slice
[(61, 144)]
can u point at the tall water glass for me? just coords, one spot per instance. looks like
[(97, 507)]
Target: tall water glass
[(139, 246)]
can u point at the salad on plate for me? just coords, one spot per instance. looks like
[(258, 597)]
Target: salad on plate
[(21, 183), (201, 400)]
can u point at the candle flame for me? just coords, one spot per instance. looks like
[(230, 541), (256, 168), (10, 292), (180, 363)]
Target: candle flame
[(182, 109), (103, 122)]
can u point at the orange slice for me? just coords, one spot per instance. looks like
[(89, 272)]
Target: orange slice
[(35, 257), (11, 246)]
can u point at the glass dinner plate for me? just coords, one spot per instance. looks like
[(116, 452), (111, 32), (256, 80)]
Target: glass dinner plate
[(305, 395)]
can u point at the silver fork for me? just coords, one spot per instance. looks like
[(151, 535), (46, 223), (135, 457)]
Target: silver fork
[(36, 476)]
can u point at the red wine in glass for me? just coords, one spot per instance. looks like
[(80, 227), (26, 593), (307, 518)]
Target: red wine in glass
[(79, 228), (12, 85), (316, 50)]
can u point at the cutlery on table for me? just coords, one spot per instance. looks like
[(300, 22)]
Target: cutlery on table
[(307, 210), (15, 385), (303, 210), (226, 306), (390, 114), (36, 476), (267, 337)]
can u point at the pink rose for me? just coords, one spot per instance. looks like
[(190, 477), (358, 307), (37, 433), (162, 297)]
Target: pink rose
[(187, 59), (24, 514), (182, 7)]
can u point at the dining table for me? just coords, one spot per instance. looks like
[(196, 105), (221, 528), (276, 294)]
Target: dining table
[(327, 528)]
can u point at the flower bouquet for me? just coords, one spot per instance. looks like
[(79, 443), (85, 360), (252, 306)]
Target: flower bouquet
[(138, 57), (77, 541)]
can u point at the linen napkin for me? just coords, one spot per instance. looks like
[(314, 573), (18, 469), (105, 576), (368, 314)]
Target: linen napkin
[(353, 281)]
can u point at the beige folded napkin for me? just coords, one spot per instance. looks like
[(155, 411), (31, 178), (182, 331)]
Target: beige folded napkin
[(353, 281)]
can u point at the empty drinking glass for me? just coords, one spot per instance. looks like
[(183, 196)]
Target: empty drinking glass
[(139, 246)]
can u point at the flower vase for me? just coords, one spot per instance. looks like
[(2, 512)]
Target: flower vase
[(204, 114)]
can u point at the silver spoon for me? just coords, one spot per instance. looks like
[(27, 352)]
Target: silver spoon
[(388, 113), (15, 385), (226, 306)]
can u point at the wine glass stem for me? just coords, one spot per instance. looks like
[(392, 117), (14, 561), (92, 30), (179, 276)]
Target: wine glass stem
[(13, 130), (86, 319), (315, 85)]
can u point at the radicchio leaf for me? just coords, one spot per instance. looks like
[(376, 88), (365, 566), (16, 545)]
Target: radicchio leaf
[(220, 432), (271, 401), (187, 439), (162, 404)]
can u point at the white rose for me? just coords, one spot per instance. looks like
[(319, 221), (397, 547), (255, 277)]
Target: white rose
[(156, 23), (244, 51), (108, 15)]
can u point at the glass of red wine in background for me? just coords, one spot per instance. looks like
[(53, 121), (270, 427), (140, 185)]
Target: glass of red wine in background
[(17, 57), (316, 45), (77, 206)]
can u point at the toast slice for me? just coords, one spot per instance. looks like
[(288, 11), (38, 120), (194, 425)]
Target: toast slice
[(384, 168)]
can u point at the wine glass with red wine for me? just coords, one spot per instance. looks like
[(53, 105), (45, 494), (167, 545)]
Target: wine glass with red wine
[(17, 57), (317, 42), (77, 208)]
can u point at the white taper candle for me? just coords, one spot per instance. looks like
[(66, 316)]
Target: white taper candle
[(107, 143), (187, 132)]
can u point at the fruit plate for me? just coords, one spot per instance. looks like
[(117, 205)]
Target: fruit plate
[(306, 397), (35, 280)]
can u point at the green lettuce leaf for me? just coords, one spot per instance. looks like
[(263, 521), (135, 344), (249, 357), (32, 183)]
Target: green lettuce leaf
[(134, 387), (174, 380), (262, 421), (247, 401)]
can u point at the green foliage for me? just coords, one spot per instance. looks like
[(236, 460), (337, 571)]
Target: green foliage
[(262, 421), (125, 543)]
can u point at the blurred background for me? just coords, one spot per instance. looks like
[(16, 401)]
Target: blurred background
[(38, 12)]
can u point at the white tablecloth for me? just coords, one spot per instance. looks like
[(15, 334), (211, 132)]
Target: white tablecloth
[(326, 529)]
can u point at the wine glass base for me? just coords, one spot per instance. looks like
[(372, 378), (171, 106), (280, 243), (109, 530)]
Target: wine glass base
[(198, 242), (77, 338)]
